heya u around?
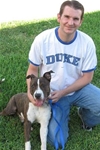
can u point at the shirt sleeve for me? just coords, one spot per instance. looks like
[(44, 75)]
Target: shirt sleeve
[(35, 53), (90, 59)]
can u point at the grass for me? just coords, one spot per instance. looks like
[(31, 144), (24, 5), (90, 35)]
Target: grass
[(15, 41)]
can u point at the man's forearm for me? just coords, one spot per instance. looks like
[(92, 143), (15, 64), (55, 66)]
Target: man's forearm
[(77, 85)]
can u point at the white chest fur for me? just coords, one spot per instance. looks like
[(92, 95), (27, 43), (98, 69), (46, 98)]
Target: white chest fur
[(41, 115), (38, 113)]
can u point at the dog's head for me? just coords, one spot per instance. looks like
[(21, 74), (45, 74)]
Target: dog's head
[(40, 87)]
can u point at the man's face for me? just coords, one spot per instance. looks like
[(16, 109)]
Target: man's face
[(70, 20)]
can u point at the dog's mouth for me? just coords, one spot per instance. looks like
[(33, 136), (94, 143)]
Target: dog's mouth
[(39, 102)]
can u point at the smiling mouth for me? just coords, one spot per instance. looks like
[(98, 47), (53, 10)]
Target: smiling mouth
[(69, 28)]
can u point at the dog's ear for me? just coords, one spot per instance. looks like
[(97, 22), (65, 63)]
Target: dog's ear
[(31, 76), (47, 75)]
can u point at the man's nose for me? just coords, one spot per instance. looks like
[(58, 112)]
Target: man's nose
[(70, 21)]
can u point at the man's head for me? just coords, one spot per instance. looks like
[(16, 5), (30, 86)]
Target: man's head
[(70, 17), (74, 4)]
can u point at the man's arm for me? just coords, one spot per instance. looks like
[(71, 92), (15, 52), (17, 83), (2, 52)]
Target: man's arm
[(31, 70), (78, 84)]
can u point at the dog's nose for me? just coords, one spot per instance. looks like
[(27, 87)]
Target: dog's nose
[(38, 95)]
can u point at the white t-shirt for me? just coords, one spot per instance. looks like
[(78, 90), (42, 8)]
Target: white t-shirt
[(68, 61)]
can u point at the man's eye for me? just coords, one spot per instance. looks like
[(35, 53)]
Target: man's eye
[(67, 17), (76, 18)]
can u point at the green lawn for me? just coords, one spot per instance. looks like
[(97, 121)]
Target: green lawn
[(15, 41)]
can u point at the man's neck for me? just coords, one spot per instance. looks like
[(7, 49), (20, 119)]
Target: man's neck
[(65, 37)]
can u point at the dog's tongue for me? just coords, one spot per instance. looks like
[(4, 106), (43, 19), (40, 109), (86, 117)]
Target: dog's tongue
[(39, 103)]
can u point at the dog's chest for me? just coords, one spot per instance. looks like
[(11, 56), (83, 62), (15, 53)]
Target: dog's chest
[(38, 113)]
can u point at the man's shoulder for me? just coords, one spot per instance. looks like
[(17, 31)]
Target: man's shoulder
[(45, 35), (84, 35)]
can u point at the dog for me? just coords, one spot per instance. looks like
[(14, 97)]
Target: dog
[(28, 113)]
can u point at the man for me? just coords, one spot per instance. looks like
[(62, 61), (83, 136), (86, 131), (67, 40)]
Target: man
[(71, 55)]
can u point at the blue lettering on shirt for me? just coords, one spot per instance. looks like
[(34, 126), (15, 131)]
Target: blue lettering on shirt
[(65, 58)]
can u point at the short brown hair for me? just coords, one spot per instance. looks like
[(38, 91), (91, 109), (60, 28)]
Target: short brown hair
[(72, 3)]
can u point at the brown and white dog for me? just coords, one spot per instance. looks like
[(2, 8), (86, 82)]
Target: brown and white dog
[(28, 113)]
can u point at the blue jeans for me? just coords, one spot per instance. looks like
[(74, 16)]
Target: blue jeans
[(88, 98)]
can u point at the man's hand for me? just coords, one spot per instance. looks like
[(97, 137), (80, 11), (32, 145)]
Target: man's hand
[(55, 96), (31, 98), (78, 84)]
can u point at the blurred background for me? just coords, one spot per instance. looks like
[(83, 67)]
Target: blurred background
[(16, 10)]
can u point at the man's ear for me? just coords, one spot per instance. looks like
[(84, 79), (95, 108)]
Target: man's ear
[(58, 18), (81, 21)]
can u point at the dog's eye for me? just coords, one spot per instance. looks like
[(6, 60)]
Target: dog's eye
[(33, 85), (42, 84)]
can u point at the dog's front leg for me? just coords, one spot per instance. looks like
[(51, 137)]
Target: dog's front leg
[(27, 131), (43, 135)]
